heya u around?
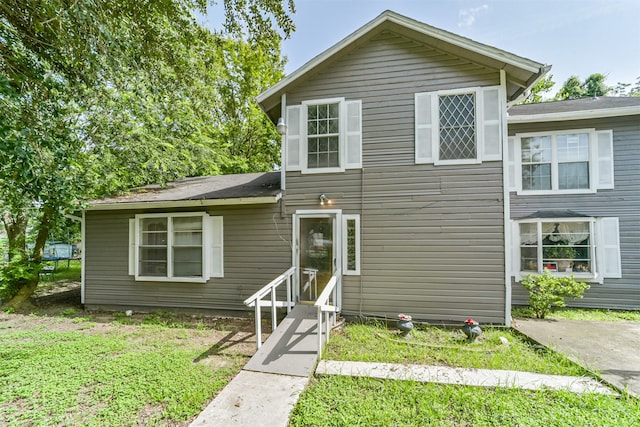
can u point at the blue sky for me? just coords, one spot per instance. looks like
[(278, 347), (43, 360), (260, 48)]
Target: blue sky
[(576, 37)]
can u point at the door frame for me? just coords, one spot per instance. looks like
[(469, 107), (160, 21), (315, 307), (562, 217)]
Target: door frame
[(336, 214)]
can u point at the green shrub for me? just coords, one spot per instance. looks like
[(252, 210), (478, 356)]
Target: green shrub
[(547, 290), (16, 274)]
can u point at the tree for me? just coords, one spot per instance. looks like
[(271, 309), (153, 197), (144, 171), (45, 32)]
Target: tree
[(97, 97), (543, 85), (593, 86)]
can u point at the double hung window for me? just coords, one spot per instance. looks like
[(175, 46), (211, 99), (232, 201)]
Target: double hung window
[(183, 247)]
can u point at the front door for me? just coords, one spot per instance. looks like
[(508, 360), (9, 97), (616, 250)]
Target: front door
[(317, 254)]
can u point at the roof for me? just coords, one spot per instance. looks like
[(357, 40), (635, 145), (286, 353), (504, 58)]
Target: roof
[(235, 189), (575, 109), (521, 72)]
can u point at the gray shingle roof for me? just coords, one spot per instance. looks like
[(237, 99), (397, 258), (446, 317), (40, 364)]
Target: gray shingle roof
[(203, 188), (574, 105)]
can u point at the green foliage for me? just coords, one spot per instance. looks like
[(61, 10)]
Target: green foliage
[(547, 290), (15, 274), (127, 377), (543, 86), (593, 86), (430, 345), (572, 313), (335, 400)]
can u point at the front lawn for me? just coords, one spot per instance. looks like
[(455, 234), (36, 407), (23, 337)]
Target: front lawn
[(350, 401), (73, 369)]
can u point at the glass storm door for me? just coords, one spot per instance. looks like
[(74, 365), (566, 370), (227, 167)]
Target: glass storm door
[(317, 255)]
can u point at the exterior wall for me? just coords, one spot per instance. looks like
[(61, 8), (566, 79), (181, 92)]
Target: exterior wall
[(432, 241), (623, 201), (254, 254)]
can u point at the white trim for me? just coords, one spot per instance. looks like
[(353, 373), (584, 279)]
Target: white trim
[(304, 137), (593, 163), (594, 240), (506, 202), (345, 239), (184, 203), (83, 258), (411, 24), (575, 115), (169, 277), (283, 141)]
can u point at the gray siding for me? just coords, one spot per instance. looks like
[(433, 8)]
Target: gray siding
[(255, 252), (622, 202), (431, 236)]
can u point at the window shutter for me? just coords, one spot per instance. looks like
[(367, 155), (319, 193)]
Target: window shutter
[(354, 135), (491, 124), (132, 246), (609, 248), (293, 140), (425, 126), (215, 258), (604, 159)]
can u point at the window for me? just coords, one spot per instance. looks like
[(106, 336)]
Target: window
[(459, 126), (183, 247), (559, 246), (587, 247), (351, 244), (576, 161), (324, 136)]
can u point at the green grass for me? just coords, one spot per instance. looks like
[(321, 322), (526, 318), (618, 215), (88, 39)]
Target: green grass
[(350, 401), (354, 401), (144, 375), (440, 346), (62, 273), (582, 314)]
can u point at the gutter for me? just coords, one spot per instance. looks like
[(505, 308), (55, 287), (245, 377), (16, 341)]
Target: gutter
[(184, 203), (574, 115)]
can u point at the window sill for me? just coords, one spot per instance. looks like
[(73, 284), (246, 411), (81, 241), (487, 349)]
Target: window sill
[(588, 277), (321, 171), (171, 279), (553, 192)]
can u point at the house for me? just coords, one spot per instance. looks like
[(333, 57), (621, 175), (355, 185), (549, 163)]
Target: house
[(396, 175), (574, 174)]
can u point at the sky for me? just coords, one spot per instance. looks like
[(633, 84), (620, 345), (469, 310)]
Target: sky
[(576, 37)]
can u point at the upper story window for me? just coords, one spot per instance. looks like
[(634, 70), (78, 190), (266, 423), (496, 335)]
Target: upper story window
[(459, 126), (181, 247), (576, 161), (324, 136)]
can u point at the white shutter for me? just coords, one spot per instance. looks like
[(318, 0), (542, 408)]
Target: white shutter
[(354, 135), (512, 178), (604, 159), (609, 263), (515, 250), (491, 141), (294, 138), (215, 258), (425, 126), (132, 246)]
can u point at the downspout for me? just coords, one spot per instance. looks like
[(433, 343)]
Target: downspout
[(507, 205), (283, 160)]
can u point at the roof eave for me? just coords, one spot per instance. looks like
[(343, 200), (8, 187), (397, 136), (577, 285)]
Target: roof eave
[(575, 115), (499, 55), (171, 204)]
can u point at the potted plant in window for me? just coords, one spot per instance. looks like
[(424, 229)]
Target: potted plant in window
[(562, 254)]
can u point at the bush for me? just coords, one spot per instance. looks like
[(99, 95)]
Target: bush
[(547, 290), (16, 274)]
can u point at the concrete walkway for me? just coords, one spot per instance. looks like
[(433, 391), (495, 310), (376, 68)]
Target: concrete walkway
[(611, 349), (462, 376)]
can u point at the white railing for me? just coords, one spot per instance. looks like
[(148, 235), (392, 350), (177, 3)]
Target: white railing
[(327, 303), (256, 301)]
